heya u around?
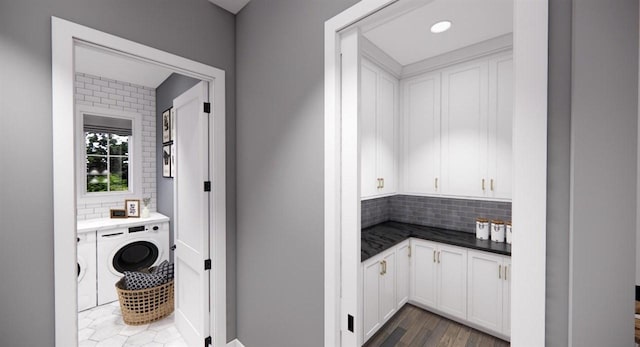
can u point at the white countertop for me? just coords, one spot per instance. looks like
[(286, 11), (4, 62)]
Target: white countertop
[(113, 223)]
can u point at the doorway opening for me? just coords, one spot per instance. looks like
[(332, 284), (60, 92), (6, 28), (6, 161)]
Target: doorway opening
[(120, 173), (345, 38)]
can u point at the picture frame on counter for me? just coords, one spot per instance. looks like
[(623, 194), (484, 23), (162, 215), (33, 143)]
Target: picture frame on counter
[(118, 213), (132, 208), (167, 158), (167, 125)]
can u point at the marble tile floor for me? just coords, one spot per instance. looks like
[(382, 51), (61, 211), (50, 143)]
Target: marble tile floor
[(103, 326)]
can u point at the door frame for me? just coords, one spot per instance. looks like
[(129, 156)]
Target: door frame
[(530, 52), (64, 35)]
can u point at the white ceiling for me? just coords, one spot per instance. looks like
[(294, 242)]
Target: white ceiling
[(101, 63), (233, 6), (408, 38)]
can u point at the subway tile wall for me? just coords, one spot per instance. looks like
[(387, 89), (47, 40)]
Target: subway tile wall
[(454, 214), (107, 93)]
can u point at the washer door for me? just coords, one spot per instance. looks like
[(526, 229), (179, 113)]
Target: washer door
[(81, 268), (135, 256)]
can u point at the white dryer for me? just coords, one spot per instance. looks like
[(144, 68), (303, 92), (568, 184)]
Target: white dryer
[(86, 269), (128, 249)]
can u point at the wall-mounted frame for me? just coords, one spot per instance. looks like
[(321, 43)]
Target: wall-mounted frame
[(167, 158), (172, 161), (132, 207), (167, 125)]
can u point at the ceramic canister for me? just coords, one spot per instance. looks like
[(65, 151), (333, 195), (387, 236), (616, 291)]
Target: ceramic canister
[(482, 228), (497, 231), (508, 232)]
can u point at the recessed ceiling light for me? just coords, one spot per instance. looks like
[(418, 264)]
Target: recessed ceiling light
[(441, 26)]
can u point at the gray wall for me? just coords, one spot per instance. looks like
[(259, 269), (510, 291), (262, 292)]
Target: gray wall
[(604, 129), (191, 28), (280, 45), (171, 88), (558, 166)]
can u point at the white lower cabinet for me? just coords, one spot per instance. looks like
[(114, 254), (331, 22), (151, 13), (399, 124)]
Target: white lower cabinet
[(489, 291), (403, 269), (379, 299), (385, 286), (439, 277), (467, 285)]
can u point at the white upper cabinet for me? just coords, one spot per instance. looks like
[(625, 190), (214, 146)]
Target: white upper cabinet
[(421, 125), (378, 115), (500, 126), (457, 129), (464, 128)]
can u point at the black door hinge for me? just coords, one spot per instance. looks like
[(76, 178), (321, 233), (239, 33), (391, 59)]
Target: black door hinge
[(207, 186), (207, 264), (207, 107), (207, 341), (350, 322)]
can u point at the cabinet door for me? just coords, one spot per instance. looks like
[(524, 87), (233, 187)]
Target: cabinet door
[(402, 273), (371, 296), (452, 280), (422, 134), (485, 283), (423, 275), (386, 128), (388, 287), (464, 129), (506, 297), (368, 134), (500, 126)]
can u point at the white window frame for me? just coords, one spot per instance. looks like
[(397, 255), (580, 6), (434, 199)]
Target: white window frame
[(135, 156)]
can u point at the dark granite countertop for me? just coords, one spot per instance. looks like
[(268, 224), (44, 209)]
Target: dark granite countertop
[(380, 237)]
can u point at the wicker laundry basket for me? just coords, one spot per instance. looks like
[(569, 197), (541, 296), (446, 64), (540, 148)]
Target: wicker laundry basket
[(145, 305)]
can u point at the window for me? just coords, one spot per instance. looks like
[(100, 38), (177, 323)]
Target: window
[(109, 154), (107, 162)]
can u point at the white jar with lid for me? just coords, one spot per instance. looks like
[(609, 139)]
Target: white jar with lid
[(497, 231), (482, 228), (508, 232)]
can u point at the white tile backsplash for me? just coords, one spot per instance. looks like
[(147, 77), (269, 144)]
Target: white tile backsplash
[(107, 93)]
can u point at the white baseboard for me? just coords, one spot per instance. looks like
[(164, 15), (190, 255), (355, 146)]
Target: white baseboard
[(235, 343)]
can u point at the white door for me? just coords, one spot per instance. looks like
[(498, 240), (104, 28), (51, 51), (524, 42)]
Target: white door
[(422, 134), (402, 273), (423, 276), (191, 215), (464, 129), (485, 280), (452, 281)]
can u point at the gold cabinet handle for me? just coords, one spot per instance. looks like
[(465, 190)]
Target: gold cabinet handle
[(382, 267), (483, 184), (385, 266), (500, 271), (438, 257), (378, 184), (491, 184), (382, 179), (434, 255), (436, 183), (505, 272)]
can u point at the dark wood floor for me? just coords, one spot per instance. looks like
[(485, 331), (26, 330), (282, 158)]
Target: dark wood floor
[(415, 327)]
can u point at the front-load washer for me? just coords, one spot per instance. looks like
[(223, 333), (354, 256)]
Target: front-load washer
[(128, 249), (86, 270)]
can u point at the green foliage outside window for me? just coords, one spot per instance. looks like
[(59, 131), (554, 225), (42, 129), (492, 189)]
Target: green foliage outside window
[(107, 158)]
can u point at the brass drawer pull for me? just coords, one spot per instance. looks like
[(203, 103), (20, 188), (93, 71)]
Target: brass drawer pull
[(500, 271)]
